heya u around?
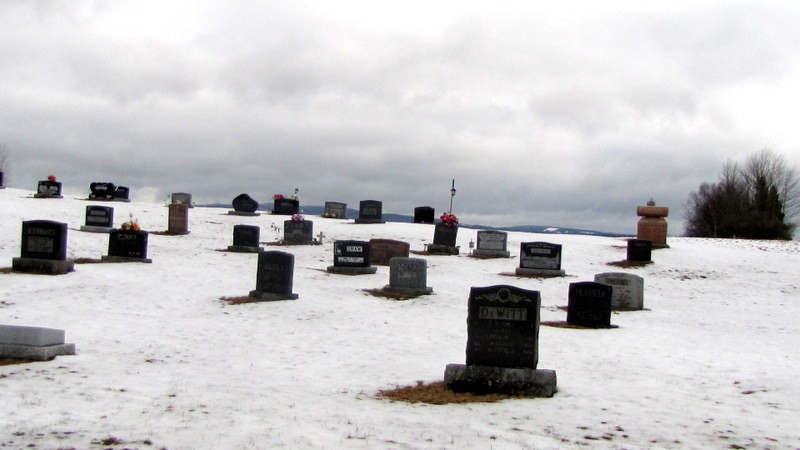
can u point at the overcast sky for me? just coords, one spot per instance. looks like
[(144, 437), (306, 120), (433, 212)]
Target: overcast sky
[(547, 113)]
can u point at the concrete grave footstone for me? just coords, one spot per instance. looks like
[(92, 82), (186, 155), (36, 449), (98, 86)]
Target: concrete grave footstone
[(182, 197), (298, 232), (492, 244), (351, 258), (502, 345), (286, 206), (424, 214), (444, 240), (408, 276), (274, 277), (381, 251), (33, 343), (370, 211), (541, 259), (178, 220), (127, 246), (589, 305), (639, 250), (335, 210), (652, 226), (99, 219), (627, 289), (244, 205), (246, 239), (48, 189), (44, 248)]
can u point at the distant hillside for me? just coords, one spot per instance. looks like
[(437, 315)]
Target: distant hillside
[(391, 217)]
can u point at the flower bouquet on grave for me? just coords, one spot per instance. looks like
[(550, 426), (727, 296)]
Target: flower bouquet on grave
[(51, 178), (277, 197), (329, 215), (131, 225), (297, 218), (449, 220)]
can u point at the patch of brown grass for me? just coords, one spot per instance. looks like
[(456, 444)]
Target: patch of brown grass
[(12, 361), (239, 300), (6, 270), (436, 393), (88, 261), (629, 264), (472, 255), (390, 295), (564, 324)]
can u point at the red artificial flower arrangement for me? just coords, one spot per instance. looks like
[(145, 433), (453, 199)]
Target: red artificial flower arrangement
[(449, 219)]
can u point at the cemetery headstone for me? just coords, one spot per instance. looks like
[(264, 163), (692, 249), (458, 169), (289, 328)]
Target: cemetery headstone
[(627, 290), (246, 239), (122, 194), (444, 239), (48, 189), (424, 214), (351, 258), (183, 197), (44, 248), (335, 210), (298, 232), (492, 244), (286, 206), (502, 345), (370, 211), (589, 305), (639, 250), (540, 259), (33, 343), (101, 190), (99, 219), (244, 205), (178, 221), (274, 277), (2, 185), (127, 246), (408, 276), (381, 251), (652, 226)]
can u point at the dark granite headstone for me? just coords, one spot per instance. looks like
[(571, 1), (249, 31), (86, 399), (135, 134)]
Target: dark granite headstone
[(48, 189), (244, 203), (381, 251), (540, 255), (370, 211), (408, 275), (335, 210), (122, 193), (178, 221), (444, 235), (99, 216), (298, 232), (246, 235), (274, 276), (128, 244), (503, 327), (2, 186), (44, 239), (589, 305), (351, 254), (639, 250), (286, 206), (492, 243), (102, 190), (424, 214)]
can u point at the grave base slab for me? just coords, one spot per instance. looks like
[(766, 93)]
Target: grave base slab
[(442, 249), (47, 196), (124, 259), (539, 272), (244, 249), (34, 353), (426, 291), (30, 336), (44, 266), (95, 229), (500, 380), (491, 253), (244, 213), (352, 270), (272, 296), (367, 221)]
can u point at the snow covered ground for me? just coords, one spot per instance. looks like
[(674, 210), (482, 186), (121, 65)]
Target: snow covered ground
[(162, 362)]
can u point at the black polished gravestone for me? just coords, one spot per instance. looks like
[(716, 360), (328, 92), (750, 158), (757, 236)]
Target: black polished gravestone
[(370, 211), (502, 345), (639, 250), (122, 194), (424, 214), (246, 239), (298, 232), (44, 248), (244, 205), (101, 190), (127, 246), (2, 186), (335, 210), (540, 259), (99, 219), (285, 206), (492, 244), (274, 277), (48, 189), (444, 240), (589, 305), (351, 258)]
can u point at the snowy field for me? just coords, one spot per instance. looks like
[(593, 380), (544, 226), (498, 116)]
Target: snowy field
[(714, 361)]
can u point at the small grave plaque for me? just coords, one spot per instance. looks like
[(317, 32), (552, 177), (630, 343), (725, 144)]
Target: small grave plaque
[(44, 248), (381, 251), (274, 276), (183, 197), (639, 250), (127, 246), (244, 205), (48, 189), (286, 206), (246, 239), (540, 259), (351, 258), (335, 210), (627, 290), (424, 214), (99, 218), (370, 211), (298, 232), (589, 305), (492, 243), (178, 221), (408, 275)]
